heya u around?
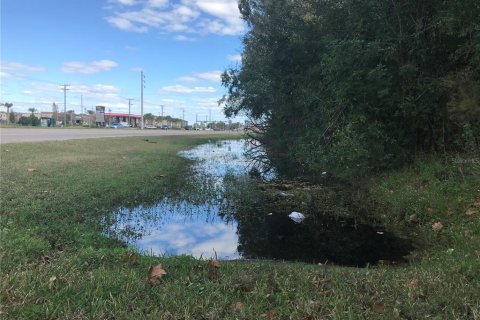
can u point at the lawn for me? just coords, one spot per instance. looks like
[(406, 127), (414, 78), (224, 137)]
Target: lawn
[(56, 264)]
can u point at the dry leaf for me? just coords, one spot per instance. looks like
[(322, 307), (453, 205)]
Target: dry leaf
[(52, 279), (437, 226), (413, 284), (270, 315), (31, 169), (378, 307), (155, 274), (238, 306), (471, 211), (430, 211), (214, 264), (413, 217)]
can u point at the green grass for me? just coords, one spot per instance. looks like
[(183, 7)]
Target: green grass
[(55, 263)]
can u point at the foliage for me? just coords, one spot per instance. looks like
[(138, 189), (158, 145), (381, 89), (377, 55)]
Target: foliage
[(29, 121), (55, 262), (11, 116), (354, 86)]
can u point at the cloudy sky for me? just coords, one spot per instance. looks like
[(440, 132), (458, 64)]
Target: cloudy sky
[(99, 48)]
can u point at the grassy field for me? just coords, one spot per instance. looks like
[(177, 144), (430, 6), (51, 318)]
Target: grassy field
[(55, 263)]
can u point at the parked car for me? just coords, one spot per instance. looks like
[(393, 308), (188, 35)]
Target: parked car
[(166, 127), (117, 125), (149, 126)]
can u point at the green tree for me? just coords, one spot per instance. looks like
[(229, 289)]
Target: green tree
[(12, 116), (8, 105), (149, 118), (354, 86)]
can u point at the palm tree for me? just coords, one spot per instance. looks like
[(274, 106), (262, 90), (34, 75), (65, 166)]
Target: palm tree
[(7, 105), (32, 110)]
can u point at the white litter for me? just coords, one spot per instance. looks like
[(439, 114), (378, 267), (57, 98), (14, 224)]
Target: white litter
[(296, 216)]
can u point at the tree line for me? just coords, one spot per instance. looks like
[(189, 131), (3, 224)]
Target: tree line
[(355, 86)]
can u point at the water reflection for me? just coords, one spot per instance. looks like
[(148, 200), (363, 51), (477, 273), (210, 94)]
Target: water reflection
[(318, 239), (198, 224), (224, 213)]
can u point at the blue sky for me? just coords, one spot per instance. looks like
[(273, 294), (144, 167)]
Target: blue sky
[(99, 47)]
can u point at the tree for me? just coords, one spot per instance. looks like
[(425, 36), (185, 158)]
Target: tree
[(12, 117), (149, 117), (7, 105), (354, 86)]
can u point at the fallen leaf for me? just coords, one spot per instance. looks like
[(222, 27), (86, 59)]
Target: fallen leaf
[(155, 274), (430, 211), (413, 217), (413, 284), (31, 169), (214, 264), (270, 315), (238, 306), (471, 211), (51, 281), (378, 307), (437, 226)]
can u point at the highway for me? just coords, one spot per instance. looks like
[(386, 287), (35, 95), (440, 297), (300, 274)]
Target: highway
[(24, 135)]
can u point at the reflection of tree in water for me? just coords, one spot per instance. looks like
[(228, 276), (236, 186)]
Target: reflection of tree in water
[(266, 231)]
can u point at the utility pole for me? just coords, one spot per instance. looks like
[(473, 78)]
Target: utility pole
[(129, 106), (65, 89), (81, 104), (209, 115), (183, 117), (142, 84)]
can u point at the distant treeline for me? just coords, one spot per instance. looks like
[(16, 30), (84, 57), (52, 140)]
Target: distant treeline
[(351, 86)]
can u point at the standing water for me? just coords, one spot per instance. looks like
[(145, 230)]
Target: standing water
[(228, 217)]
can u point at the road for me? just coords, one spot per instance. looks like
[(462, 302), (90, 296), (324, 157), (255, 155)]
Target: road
[(22, 135)]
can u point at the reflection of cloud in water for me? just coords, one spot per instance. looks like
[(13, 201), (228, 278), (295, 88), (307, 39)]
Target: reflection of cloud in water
[(175, 227), (193, 238)]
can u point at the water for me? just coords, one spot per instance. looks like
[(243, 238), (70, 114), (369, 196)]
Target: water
[(226, 216)]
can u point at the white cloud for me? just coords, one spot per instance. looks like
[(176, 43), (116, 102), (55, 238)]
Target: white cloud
[(235, 57), (212, 76), (127, 2), (20, 67), (181, 37), (187, 17), (125, 24), (88, 67), (182, 89), (5, 75), (158, 3)]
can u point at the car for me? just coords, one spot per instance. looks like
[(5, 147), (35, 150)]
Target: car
[(117, 125), (166, 127), (149, 126)]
